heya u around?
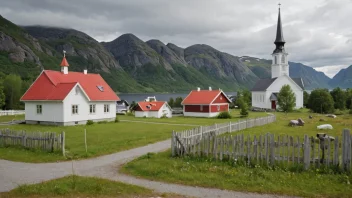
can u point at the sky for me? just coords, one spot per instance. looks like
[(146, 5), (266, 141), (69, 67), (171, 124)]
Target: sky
[(318, 33)]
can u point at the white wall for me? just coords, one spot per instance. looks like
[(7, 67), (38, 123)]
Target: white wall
[(51, 111), (83, 108), (259, 99), (193, 114), (281, 81)]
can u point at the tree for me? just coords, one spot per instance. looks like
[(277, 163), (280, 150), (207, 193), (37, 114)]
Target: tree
[(243, 96), (305, 99), (171, 102), (2, 97), (133, 106), (339, 97), (12, 89), (321, 101), (348, 98), (178, 102), (244, 109), (286, 98)]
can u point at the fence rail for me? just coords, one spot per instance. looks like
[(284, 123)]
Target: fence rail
[(271, 150), (11, 112), (192, 137), (46, 141)]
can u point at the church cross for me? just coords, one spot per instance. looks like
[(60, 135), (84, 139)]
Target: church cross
[(279, 5)]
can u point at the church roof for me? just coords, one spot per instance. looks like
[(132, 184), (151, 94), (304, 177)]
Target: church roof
[(263, 84)]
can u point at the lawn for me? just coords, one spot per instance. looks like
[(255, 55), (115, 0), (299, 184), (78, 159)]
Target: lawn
[(280, 127), (76, 186), (235, 113), (227, 175), (232, 176), (11, 117), (101, 139)]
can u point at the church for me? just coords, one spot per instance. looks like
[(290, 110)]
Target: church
[(265, 91)]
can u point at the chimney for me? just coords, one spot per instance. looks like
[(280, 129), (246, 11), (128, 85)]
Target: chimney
[(209, 88), (85, 71), (198, 88)]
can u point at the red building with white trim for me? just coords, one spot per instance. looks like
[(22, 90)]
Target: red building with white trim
[(205, 103)]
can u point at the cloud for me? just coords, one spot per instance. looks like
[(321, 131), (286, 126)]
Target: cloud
[(331, 70), (318, 32)]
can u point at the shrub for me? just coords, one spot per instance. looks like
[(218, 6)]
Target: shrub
[(129, 114), (224, 115), (90, 122), (350, 112), (338, 112), (117, 119), (244, 110)]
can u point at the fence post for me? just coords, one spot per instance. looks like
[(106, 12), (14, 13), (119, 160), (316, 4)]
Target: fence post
[(306, 152), (346, 150), (173, 144), (63, 143), (230, 130)]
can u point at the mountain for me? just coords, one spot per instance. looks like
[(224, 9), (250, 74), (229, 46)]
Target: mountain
[(342, 79), (129, 64), (311, 78)]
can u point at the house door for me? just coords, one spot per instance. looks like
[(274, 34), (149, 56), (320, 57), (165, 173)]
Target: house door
[(273, 104)]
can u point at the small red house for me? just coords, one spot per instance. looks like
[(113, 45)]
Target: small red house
[(205, 103)]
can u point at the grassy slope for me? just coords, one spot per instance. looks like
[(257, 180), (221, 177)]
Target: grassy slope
[(76, 186), (226, 175), (101, 139)]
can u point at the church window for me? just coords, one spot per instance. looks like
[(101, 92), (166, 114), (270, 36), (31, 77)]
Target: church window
[(283, 59), (275, 61)]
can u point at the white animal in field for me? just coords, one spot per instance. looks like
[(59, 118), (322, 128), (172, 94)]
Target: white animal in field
[(324, 126)]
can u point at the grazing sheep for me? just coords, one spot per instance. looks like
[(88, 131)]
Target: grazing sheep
[(331, 116), (298, 122), (310, 117)]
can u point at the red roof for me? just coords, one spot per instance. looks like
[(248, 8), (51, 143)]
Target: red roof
[(54, 85), (153, 106), (202, 97), (64, 63)]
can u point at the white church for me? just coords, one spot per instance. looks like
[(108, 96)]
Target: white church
[(265, 91)]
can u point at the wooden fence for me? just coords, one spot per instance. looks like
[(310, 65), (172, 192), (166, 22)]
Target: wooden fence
[(11, 112), (271, 150), (47, 141), (188, 138)]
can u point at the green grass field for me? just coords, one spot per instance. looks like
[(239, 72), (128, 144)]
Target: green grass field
[(235, 113), (11, 117), (101, 139), (227, 175), (77, 186)]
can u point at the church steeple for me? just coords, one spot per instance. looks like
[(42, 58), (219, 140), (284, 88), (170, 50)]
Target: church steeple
[(279, 41), (280, 63)]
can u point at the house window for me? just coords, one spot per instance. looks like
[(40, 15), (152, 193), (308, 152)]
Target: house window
[(201, 107), (218, 107), (283, 59), (220, 97), (39, 109), (92, 108), (74, 109), (106, 108)]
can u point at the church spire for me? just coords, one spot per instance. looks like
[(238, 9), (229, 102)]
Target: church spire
[(279, 41)]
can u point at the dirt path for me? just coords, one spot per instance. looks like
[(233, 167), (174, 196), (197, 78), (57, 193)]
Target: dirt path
[(14, 173)]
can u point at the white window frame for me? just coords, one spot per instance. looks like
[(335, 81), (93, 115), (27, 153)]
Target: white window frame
[(106, 108), (92, 109), (39, 107), (74, 110), (218, 107), (201, 107)]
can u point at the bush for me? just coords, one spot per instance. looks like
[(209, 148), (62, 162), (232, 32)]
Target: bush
[(244, 110), (117, 119), (224, 115), (129, 114), (338, 112), (350, 112), (90, 122), (103, 122)]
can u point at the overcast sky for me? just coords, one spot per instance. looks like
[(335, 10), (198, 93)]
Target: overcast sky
[(317, 32)]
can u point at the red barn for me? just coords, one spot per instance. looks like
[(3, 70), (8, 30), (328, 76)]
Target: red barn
[(205, 103)]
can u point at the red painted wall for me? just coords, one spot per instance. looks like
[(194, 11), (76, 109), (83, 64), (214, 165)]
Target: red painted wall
[(214, 108), (196, 108), (220, 99)]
